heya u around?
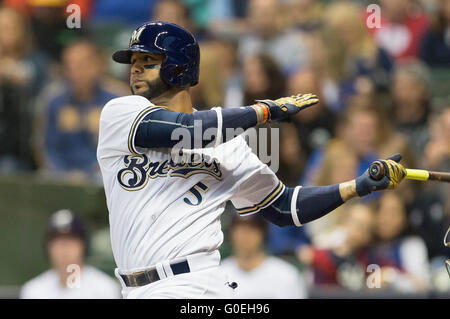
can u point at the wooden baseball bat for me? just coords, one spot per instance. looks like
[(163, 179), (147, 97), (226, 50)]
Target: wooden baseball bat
[(377, 171)]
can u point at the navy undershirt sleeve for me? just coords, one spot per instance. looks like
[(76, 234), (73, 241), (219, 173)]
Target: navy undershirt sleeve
[(312, 202), (155, 129)]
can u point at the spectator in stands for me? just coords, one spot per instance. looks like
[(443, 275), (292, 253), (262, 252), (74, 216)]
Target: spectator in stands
[(389, 141), (18, 54), (48, 19), (435, 47), (286, 240), (344, 265), (430, 211), (209, 91), (402, 257), (124, 12), (437, 149), (227, 17), (357, 129), (429, 216), (174, 11), (230, 71), (403, 25), (352, 63), (339, 164), (28, 7), (305, 14), (412, 103), (263, 79), (292, 157), (198, 12), (315, 126), (258, 275), (266, 33), (71, 115), (70, 277), (22, 74)]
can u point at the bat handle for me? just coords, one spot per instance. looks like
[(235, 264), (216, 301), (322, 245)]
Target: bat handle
[(376, 170), (439, 176)]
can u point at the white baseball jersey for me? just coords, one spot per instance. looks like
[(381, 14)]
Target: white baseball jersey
[(274, 278), (93, 284), (161, 209)]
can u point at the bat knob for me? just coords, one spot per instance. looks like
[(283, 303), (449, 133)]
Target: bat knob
[(376, 170)]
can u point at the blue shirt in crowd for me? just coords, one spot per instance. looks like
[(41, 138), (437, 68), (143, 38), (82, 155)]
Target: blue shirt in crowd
[(72, 130)]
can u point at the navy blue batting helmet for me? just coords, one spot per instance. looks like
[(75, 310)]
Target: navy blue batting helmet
[(182, 54), (65, 222)]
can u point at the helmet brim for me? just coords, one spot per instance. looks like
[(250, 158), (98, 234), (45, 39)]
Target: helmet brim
[(122, 56)]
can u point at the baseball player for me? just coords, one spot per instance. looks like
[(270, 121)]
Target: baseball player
[(70, 277), (165, 210)]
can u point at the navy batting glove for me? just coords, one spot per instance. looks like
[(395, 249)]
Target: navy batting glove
[(395, 173)]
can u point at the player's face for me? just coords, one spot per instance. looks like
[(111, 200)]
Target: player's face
[(65, 250), (390, 218), (358, 226), (246, 239), (361, 132), (82, 66), (145, 77)]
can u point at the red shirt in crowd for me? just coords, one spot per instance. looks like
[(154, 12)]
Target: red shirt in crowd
[(401, 40)]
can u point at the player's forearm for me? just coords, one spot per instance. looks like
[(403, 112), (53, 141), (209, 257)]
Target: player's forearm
[(301, 205), (157, 128), (304, 204)]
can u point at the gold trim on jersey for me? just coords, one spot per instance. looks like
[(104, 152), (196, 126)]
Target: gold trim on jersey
[(268, 200), (135, 125)]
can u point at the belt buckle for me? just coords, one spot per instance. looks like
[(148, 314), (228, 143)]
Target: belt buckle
[(134, 278), (147, 275)]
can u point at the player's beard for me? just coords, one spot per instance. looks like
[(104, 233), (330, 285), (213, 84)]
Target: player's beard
[(155, 88)]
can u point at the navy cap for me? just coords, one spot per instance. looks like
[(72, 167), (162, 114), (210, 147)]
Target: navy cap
[(65, 222)]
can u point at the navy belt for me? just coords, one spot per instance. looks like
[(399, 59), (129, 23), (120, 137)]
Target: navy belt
[(146, 277)]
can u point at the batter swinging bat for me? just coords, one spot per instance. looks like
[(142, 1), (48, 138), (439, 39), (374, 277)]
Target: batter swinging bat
[(377, 171)]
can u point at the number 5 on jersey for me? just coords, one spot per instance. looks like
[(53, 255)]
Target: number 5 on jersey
[(196, 190)]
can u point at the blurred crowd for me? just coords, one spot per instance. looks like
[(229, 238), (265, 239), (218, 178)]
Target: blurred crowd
[(383, 90)]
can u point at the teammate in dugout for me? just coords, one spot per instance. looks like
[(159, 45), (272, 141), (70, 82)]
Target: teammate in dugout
[(165, 215)]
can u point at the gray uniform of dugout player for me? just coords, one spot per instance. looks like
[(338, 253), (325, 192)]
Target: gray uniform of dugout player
[(165, 210)]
